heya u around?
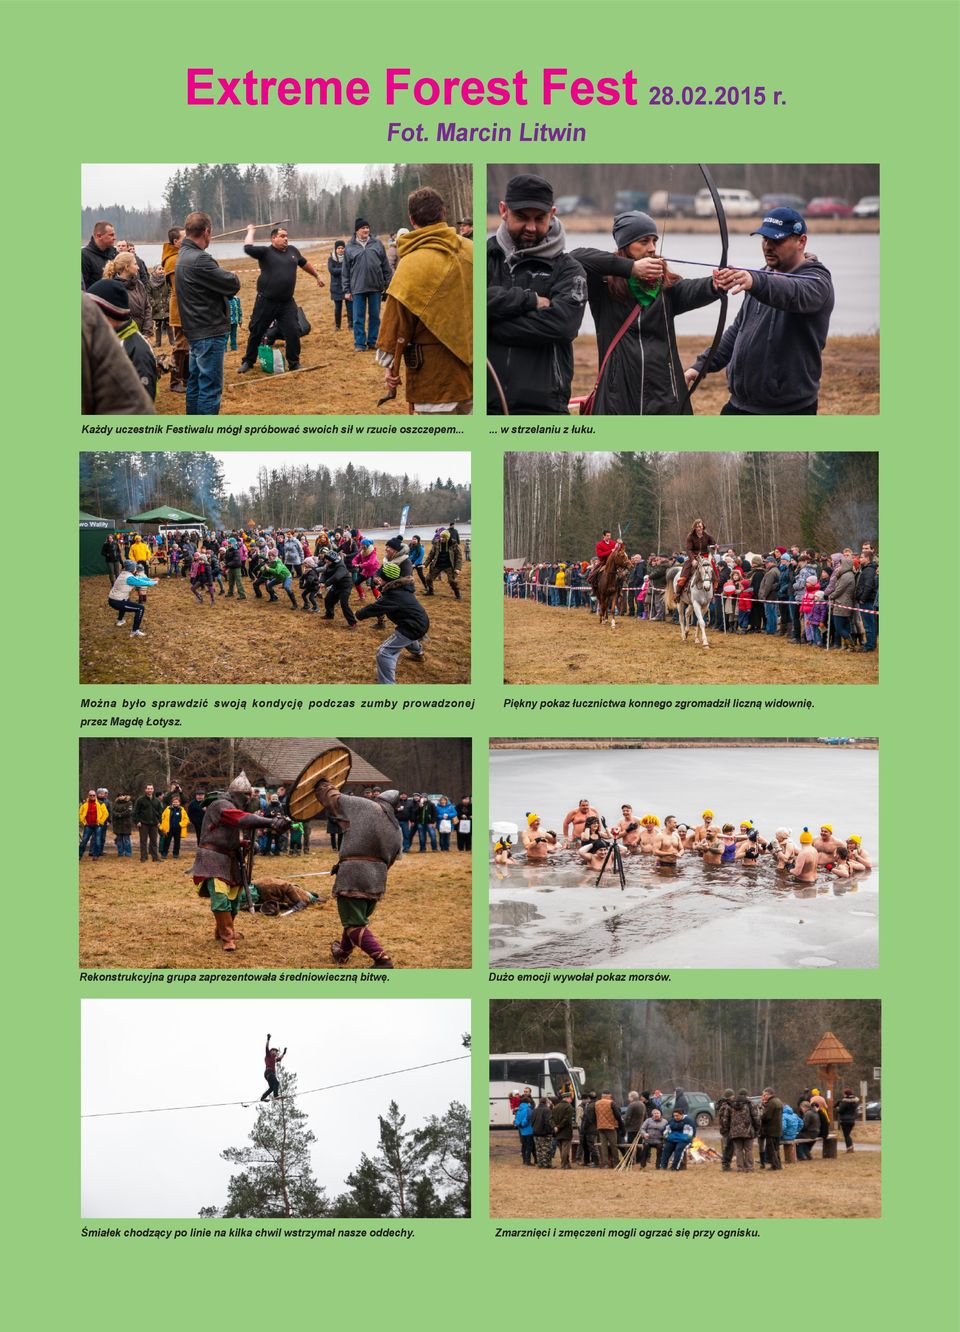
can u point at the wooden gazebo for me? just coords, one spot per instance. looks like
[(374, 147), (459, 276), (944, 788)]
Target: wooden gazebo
[(828, 1059)]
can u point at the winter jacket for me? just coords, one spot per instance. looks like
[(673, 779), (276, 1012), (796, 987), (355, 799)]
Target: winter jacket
[(203, 293), (791, 1124), (401, 607), (93, 261), (635, 1114), (168, 260), (773, 349), (292, 551), (810, 1128), (336, 577), (785, 584), (867, 584), (125, 584), (168, 822), (680, 1130), (723, 1106), (103, 814), (771, 1118), (110, 550), (531, 349), (159, 296), (110, 386), (426, 813), (543, 1121), (277, 569), (653, 1131), (445, 555), (847, 1109), (147, 809), (335, 269), (523, 1119), (769, 584), (844, 589), (365, 267), (742, 1119), (804, 571), (231, 559), (562, 1115), (644, 375), (446, 810), (121, 816), (416, 554), (367, 561), (608, 1114)]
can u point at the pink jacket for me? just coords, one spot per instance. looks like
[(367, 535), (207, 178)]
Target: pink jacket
[(367, 564)]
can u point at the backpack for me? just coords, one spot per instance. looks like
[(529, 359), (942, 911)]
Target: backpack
[(303, 325)]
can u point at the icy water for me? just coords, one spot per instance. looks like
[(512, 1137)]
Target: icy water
[(694, 915), (853, 259)]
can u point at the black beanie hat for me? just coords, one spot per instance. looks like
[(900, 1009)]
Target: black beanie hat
[(360, 222), (112, 297)]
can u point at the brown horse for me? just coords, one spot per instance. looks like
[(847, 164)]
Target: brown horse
[(608, 582)]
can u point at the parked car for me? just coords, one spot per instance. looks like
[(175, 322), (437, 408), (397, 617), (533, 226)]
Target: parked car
[(770, 201), (868, 206), (736, 203), (701, 1109), (873, 1110), (828, 205), (631, 201)]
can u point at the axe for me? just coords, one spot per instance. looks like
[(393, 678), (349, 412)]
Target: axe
[(397, 356)]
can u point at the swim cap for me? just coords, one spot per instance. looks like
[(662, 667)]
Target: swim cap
[(746, 823), (855, 837), (828, 826), (532, 818), (707, 814), (390, 570), (806, 837)]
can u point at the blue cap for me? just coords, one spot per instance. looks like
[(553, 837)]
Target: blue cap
[(784, 222)]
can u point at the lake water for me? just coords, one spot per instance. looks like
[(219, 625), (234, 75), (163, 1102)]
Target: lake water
[(695, 915), (853, 259)]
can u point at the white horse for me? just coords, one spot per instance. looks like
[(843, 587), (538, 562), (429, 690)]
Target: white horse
[(694, 599)]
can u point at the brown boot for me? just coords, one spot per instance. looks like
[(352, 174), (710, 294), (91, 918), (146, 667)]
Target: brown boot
[(225, 931)]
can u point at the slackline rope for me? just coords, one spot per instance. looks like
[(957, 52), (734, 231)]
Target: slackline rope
[(214, 1105)]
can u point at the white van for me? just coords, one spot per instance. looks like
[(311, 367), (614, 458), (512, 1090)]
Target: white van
[(545, 1074), (736, 203)]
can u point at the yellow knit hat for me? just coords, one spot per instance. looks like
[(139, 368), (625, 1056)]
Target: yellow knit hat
[(532, 819), (707, 814), (806, 837), (855, 837)]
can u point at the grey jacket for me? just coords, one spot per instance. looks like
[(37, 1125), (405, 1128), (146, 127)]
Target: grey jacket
[(365, 267)]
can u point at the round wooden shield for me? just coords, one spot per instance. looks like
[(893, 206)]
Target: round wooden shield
[(334, 765)]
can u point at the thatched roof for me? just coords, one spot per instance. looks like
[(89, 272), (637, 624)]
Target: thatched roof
[(830, 1051), (281, 760)]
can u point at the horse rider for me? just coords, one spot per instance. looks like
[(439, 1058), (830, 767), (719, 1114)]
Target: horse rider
[(605, 547), (699, 542)]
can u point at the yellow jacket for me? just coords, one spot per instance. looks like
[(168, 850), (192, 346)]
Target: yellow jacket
[(139, 551), (102, 814), (165, 819)]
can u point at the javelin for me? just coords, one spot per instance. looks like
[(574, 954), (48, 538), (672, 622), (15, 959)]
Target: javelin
[(241, 231)]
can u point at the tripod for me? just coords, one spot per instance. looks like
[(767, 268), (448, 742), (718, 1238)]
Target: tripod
[(614, 852)]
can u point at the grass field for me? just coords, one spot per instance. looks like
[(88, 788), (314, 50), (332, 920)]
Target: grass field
[(333, 380), (149, 915), (846, 1187), (552, 645), (260, 642)]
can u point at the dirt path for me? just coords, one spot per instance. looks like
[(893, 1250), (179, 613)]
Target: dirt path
[(260, 642), (552, 645)]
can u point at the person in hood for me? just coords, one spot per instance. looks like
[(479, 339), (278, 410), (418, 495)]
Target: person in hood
[(371, 844), (93, 815), (773, 350), (99, 249), (429, 317), (634, 298), (335, 269), (113, 300), (365, 277), (218, 869), (536, 294), (121, 816), (740, 1122), (398, 603)]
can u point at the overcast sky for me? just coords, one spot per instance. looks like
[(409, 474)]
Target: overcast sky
[(136, 184), (145, 1053), (240, 469)]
